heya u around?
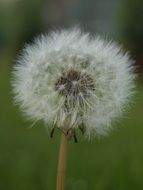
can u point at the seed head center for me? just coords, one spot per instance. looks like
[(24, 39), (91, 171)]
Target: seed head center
[(74, 83)]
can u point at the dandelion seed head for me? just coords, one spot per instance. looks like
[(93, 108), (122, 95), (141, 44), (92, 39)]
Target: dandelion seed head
[(71, 75)]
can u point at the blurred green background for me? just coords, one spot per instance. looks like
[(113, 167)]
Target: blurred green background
[(28, 157)]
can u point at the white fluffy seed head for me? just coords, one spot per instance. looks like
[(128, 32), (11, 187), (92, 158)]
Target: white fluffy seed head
[(69, 75)]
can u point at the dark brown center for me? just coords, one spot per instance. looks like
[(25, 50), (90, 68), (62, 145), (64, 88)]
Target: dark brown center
[(74, 83)]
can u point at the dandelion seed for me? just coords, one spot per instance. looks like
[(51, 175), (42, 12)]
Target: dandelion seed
[(69, 75)]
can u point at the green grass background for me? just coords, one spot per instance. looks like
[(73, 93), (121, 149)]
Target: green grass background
[(28, 157)]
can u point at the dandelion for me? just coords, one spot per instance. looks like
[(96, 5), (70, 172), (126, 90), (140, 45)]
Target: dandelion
[(71, 80)]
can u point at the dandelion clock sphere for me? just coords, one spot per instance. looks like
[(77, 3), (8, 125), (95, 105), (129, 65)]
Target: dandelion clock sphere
[(71, 76)]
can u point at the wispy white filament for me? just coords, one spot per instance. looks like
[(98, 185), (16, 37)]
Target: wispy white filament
[(71, 75)]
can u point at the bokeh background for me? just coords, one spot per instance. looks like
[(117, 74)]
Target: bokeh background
[(28, 157)]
